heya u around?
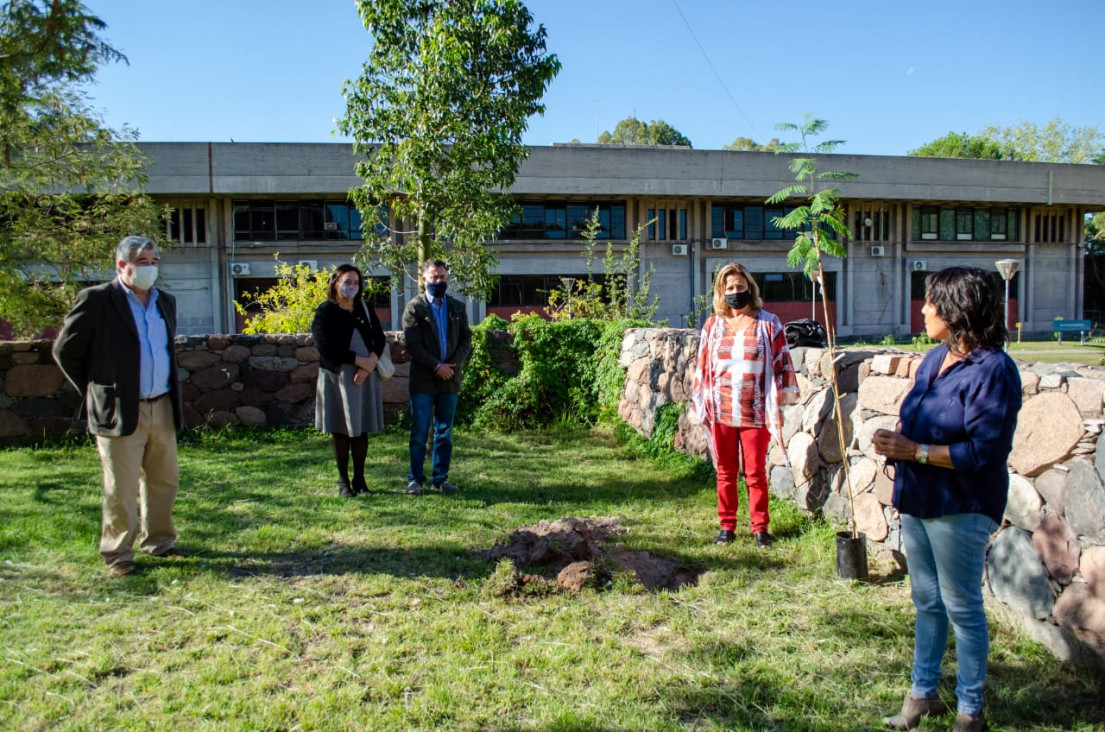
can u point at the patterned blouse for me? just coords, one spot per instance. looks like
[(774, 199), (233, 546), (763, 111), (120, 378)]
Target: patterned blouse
[(743, 378)]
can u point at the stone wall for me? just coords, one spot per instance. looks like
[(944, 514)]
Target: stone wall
[(255, 381), (1046, 565)]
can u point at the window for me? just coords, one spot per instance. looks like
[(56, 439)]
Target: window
[(793, 286), (529, 290), (265, 220), (871, 225), (965, 223), (187, 225), (667, 224), (554, 220), (741, 221)]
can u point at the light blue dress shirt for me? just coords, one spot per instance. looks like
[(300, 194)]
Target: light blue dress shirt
[(153, 342), (441, 318)]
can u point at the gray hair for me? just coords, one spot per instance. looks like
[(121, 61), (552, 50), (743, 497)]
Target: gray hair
[(131, 246)]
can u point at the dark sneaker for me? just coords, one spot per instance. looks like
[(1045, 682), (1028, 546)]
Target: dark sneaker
[(764, 539), (122, 569), (447, 487), (725, 537), (414, 488)]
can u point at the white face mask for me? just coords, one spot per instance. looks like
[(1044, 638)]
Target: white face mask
[(144, 277), (349, 291)]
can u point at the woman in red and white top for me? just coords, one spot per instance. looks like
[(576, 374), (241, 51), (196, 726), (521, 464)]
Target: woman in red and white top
[(743, 379)]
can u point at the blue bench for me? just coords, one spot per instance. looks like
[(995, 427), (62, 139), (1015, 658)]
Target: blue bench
[(1082, 327)]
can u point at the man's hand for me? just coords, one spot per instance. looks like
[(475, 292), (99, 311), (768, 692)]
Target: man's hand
[(445, 371)]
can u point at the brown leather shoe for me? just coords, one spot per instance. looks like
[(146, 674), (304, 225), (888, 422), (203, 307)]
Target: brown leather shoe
[(173, 552), (969, 723), (913, 709), (122, 569)]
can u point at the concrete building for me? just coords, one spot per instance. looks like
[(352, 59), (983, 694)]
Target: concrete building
[(236, 205)]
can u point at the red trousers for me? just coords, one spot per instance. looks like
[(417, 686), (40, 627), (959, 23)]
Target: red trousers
[(733, 444)]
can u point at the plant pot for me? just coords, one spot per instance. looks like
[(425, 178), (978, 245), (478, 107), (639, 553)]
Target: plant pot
[(851, 555)]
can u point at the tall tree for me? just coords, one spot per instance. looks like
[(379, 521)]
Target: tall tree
[(749, 145), (961, 145), (632, 131), (438, 114), (69, 186), (1054, 142)]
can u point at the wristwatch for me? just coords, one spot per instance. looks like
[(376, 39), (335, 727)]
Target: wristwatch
[(923, 455)]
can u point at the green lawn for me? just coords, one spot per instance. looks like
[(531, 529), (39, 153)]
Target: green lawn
[(300, 610)]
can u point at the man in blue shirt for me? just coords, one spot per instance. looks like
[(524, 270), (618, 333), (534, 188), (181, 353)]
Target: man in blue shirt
[(437, 336), (117, 348)]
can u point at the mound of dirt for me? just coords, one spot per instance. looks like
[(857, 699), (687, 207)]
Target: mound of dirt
[(577, 550)]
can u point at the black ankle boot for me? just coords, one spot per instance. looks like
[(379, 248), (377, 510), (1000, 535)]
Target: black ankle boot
[(344, 490), (359, 486)]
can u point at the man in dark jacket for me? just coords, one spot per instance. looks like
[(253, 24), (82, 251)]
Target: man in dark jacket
[(435, 328), (117, 347)]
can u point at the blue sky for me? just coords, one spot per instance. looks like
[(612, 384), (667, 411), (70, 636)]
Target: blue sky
[(888, 76)]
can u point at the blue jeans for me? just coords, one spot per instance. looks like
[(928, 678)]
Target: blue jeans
[(946, 556), (442, 408)]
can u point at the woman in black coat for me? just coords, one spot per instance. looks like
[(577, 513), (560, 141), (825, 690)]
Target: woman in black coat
[(348, 404)]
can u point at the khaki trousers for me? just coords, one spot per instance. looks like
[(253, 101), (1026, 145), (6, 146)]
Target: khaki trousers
[(140, 485)]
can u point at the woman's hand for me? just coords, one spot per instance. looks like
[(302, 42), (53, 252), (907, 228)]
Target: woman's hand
[(359, 377), (893, 445), (367, 363)]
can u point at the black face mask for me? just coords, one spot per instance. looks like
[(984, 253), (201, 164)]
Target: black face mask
[(738, 300)]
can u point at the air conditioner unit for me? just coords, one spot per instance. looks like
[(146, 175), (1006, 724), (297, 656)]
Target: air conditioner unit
[(719, 243), (311, 264), (679, 250), (918, 265), (878, 250), (330, 226), (239, 269)]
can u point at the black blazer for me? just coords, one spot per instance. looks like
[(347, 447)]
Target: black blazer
[(421, 340), (98, 350), (333, 327)]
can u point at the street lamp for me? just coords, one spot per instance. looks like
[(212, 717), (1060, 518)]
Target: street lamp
[(1007, 268)]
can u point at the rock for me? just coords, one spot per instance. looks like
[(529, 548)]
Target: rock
[(1052, 486), (235, 354), (33, 380), (295, 392), (781, 482), (1086, 395), (812, 494), (307, 353), (818, 410), (792, 421), (12, 425), (1048, 427), (1023, 508), (869, 518), (215, 377), (272, 363), (884, 487), (1092, 568), (263, 350), (255, 397), (25, 358), (1085, 509), (883, 394), (1058, 548), (196, 360), (218, 420), (1030, 383), (216, 401), (1017, 576), (218, 342), (265, 380), (862, 473), (250, 417), (865, 432), (802, 453), (837, 509), (885, 364), (1083, 614), (38, 407)]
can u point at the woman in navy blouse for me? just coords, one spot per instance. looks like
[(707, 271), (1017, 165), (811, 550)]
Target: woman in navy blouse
[(951, 483)]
